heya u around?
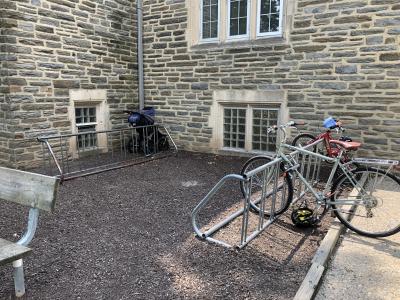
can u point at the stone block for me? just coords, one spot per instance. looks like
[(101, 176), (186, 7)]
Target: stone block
[(68, 84)]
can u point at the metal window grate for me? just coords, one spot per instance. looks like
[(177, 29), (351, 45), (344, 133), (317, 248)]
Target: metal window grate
[(262, 119), (269, 15), (234, 127), (85, 120)]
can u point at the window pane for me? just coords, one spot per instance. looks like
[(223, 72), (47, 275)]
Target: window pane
[(234, 9), (234, 127), (269, 16), (210, 19), (275, 6), (234, 30), (87, 141), (274, 25), (238, 17), (206, 31), (243, 9), (264, 23), (262, 119), (214, 29), (265, 7), (242, 26), (214, 13)]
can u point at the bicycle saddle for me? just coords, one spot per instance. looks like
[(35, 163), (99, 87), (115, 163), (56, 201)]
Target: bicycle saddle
[(346, 145)]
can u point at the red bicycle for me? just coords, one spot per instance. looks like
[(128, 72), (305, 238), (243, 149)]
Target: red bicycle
[(331, 146)]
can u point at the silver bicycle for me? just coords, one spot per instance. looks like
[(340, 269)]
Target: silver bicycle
[(366, 199)]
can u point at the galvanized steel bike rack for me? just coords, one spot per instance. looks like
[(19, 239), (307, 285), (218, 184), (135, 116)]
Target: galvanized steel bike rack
[(67, 156), (269, 174)]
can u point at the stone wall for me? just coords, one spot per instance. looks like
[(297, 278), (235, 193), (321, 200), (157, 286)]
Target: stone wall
[(340, 58), (51, 46)]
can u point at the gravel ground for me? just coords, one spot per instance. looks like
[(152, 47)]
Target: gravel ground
[(126, 234)]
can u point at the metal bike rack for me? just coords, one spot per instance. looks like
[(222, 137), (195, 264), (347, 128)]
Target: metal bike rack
[(74, 155), (309, 166), (269, 174)]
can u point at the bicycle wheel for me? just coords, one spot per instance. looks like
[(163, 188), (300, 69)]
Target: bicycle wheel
[(284, 193), (374, 211), (304, 139)]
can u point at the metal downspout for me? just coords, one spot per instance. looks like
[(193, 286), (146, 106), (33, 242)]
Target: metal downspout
[(139, 11)]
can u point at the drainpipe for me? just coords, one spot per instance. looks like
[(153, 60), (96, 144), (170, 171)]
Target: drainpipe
[(139, 11)]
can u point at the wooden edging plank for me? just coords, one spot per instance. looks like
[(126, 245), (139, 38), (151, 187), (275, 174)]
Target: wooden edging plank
[(310, 283)]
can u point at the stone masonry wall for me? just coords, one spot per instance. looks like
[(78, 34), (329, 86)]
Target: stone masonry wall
[(48, 47), (341, 58)]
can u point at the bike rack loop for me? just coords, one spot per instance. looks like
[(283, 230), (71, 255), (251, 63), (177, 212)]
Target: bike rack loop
[(247, 178)]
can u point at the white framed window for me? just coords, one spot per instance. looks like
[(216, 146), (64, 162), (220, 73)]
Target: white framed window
[(209, 20), (269, 17), (86, 121), (245, 128), (238, 19)]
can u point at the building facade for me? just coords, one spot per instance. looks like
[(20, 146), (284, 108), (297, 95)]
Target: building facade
[(217, 71), (66, 66)]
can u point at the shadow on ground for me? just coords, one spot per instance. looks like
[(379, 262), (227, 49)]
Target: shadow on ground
[(126, 234)]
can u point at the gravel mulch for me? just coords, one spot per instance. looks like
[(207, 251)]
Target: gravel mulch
[(126, 234)]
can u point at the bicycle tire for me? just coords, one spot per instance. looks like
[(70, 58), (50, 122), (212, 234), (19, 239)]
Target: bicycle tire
[(306, 136), (360, 216), (286, 189)]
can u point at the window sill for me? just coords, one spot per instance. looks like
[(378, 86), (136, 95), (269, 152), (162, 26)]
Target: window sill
[(260, 41)]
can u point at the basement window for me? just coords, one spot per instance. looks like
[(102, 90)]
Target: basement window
[(245, 128), (85, 121)]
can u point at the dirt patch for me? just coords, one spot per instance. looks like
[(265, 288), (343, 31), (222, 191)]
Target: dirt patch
[(126, 234)]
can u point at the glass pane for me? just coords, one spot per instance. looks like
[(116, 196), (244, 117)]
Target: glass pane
[(264, 23), (243, 8), (214, 29), (214, 13), (269, 15), (275, 6), (233, 27), (242, 25), (206, 30), (274, 25), (214, 2), (227, 143), (234, 127), (234, 9), (265, 7), (206, 14), (260, 139)]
